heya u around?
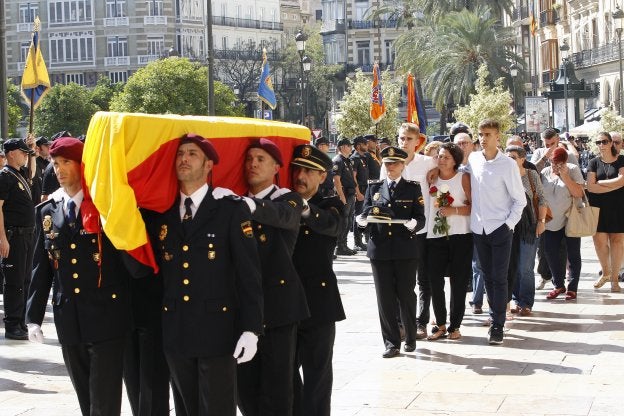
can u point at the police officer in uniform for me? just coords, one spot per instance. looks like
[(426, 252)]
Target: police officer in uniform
[(90, 298), (374, 162), (17, 221), (212, 306), (392, 248), (344, 182), (42, 161), (359, 159), (265, 384), (327, 187), (320, 224)]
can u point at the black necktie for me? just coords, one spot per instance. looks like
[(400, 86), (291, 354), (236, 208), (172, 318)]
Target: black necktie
[(71, 213), (391, 186), (188, 214)]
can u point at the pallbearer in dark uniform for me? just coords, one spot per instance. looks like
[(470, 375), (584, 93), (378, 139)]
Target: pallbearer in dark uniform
[(41, 163), (49, 182), (320, 224), (212, 306), (359, 158), (344, 182), (265, 385), (90, 298), (392, 248), (374, 161), (327, 187), (17, 221)]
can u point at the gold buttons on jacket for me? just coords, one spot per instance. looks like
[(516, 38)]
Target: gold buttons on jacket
[(389, 205), (210, 245), (165, 308), (306, 232), (114, 296), (185, 265), (323, 284), (282, 282), (185, 247), (224, 309), (77, 290), (389, 232), (75, 275), (72, 246), (186, 281), (186, 298), (74, 261)]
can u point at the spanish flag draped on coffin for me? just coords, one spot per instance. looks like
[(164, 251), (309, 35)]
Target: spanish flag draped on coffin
[(128, 163)]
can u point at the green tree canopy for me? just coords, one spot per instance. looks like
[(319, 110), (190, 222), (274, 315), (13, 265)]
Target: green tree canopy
[(173, 85), (14, 109), (355, 107), (65, 107), (104, 92), (487, 102)]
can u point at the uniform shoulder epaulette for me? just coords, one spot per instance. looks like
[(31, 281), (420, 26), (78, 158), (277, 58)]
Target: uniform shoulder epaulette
[(44, 203), (233, 198), (373, 181), (412, 182)]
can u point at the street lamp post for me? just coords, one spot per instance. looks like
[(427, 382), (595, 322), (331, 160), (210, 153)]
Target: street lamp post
[(618, 16), (513, 71), (565, 48), (300, 39), (307, 65)]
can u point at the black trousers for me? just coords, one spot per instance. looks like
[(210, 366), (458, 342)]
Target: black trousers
[(207, 386), (424, 284), (95, 370), (315, 350), (265, 384), (456, 252), (347, 220), (146, 373), (396, 279), (17, 269)]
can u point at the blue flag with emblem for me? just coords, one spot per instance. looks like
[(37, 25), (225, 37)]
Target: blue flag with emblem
[(265, 89), (35, 79)]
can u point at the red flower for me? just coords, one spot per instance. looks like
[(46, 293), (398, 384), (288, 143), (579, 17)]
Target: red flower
[(433, 190), (449, 200)]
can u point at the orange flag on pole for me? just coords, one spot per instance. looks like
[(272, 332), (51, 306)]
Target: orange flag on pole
[(412, 113), (377, 105)]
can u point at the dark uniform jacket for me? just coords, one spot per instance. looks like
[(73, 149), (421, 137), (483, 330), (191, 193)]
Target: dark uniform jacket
[(343, 167), (374, 166), (276, 225), (211, 277), (18, 207), (313, 258), (360, 167), (90, 302), (394, 241)]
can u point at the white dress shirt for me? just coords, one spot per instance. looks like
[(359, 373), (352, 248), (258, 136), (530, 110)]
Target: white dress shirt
[(197, 197)]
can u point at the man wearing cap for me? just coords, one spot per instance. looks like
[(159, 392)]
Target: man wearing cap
[(393, 248), (42, 160), (327, 187), (265, 384), (212, 303), (344, 182), (383, 143), (49, 182), (17, 221), (320, 224), (90, 297), (374, 163), (359, 160), (411, 141)]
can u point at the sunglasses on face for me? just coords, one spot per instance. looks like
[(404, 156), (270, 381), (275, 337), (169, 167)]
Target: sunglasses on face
[(616, 142), (603, 142)]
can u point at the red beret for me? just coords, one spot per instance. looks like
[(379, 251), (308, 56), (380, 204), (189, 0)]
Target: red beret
[(560, 155), (67, 147), (204, 145), (269, 147)]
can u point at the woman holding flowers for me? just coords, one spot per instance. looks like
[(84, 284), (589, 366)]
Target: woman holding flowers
[(449, 240)]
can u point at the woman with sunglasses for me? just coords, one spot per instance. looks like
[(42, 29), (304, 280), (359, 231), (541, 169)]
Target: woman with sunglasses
[(605, 182)]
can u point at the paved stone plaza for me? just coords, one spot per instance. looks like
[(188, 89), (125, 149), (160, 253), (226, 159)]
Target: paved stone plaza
[(566, 359)]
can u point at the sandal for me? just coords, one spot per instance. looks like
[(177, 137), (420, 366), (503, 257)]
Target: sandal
[(454, 334), (437, 332), (525, 312), (570, 295), (555, 292), (601, 282)]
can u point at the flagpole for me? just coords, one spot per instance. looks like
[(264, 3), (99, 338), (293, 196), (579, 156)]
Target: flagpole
[(4, 112)]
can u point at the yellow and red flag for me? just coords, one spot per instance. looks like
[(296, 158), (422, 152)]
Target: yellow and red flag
[(532, 22), (377, 104), (128, 163), (415, 110)]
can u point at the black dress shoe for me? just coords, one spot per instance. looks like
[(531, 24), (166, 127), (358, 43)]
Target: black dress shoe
[(391, 352), (361, 247), (17, 334), (345, 251), (409, 347)]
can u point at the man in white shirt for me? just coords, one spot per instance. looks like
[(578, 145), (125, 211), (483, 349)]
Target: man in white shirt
[(540, 158), (498, 199), (416, 168)]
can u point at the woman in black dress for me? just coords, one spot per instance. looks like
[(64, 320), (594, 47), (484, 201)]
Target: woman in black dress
[(605, 182)]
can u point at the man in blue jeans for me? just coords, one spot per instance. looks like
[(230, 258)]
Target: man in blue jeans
[(497, 203)]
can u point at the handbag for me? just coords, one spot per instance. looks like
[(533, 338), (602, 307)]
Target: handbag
[(548, 216), (582, 218)]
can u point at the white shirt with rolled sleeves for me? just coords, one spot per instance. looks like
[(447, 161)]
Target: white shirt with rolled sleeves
[(497, 192), (416, 170)]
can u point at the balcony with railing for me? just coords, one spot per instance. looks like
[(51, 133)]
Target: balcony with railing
[(549, 17), (246, 23), (369, 67), (146, 59), (116, 60), (155, 20), (116, 21), (244, 54), (333, 25), (372, 24), (24, 27), (600, 55)]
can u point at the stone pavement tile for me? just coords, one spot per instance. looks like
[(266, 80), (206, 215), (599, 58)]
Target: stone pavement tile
[(453, 382), (590, 385), (386, 380), (457, 402), (545, 404), (527, 384), (373, 398), (607, 406)]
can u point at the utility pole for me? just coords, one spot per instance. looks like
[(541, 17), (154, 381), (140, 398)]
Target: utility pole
[(210, 47)]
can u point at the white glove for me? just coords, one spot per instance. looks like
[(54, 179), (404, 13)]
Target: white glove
[(35, 334), (361, 220), (411, 224), (246, 347), (250, 203), (219, 192)]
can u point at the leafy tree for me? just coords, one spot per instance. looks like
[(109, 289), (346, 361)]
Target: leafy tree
[(15, 111), (173, 85), (103, 93), (355, 107), (487, 102), (65, 107)]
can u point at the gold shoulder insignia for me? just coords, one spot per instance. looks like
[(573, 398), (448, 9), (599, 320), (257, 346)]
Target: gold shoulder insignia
[(421, 201), (163, 232), (293, 203), (247, 229), (47, 223)]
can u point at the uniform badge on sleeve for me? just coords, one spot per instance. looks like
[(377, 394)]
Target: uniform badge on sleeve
[(47, 223), (376, 196), (293, 203), (247, 229), (375, 210), (421, 201), (163, 232), (335, 168)]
